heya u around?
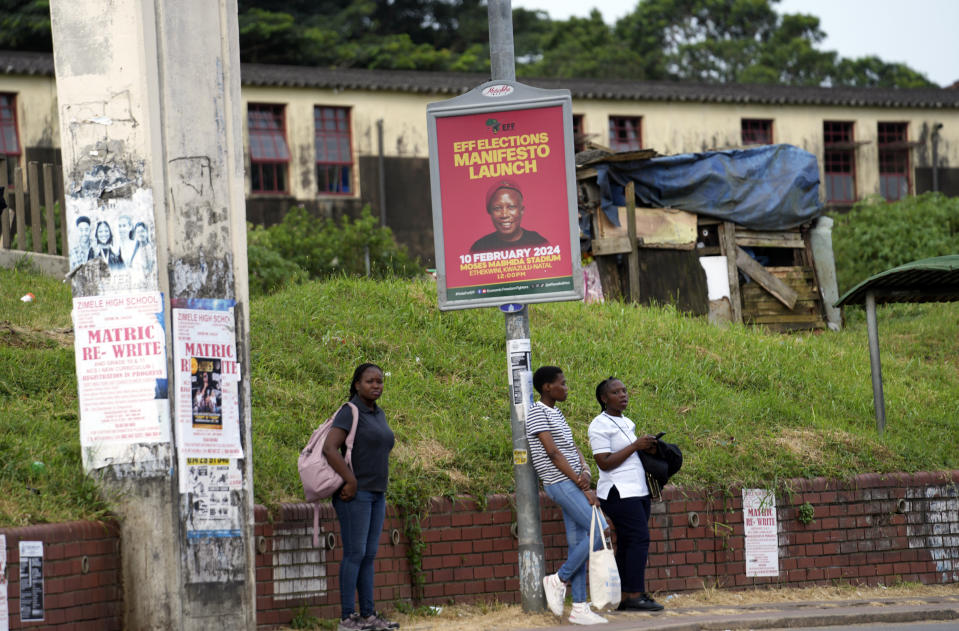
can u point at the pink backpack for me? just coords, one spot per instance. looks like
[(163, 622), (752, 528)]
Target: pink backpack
[(319, 479)]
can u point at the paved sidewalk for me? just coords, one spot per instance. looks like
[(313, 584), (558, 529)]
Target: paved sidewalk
[(783, 615)]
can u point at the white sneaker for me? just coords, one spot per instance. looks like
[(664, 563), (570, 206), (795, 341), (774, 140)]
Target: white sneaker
[(582, 614), (555, 590)]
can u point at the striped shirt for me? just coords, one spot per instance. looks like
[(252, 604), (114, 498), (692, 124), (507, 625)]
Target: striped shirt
[(542, 418)]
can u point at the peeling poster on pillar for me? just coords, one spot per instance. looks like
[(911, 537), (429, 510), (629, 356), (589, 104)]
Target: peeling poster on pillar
[(31, 581), (213, 510), (207, 377), (120, 347), (118, 231), (4, 603)]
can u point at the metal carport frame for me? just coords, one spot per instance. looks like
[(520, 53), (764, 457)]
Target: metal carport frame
[(926, 280)]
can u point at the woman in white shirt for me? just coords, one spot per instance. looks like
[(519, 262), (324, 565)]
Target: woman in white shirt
[(622, 490)]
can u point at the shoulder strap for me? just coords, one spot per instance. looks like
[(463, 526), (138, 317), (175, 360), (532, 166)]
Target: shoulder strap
[(352, 435)]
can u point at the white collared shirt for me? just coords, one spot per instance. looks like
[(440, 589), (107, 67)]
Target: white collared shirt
[(608, 434)]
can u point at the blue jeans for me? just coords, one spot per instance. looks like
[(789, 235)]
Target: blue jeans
[(361, 522), (577, 514)]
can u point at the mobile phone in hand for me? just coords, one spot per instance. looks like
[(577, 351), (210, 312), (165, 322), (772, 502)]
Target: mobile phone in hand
[(660, 435)]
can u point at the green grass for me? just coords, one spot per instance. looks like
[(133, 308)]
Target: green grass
[(745, 405)]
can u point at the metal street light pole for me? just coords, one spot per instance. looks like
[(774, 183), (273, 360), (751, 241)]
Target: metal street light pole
[(531, 557)]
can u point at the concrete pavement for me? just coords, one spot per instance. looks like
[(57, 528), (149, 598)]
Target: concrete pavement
[(783, 615)]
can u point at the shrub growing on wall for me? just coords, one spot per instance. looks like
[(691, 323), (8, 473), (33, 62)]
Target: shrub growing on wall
[(877, 235), (304, 246)]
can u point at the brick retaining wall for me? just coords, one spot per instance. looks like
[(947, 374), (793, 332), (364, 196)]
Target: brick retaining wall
[(81, 576), (870, 529)]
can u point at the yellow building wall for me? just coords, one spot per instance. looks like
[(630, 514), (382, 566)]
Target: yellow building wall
[(37, 120), (673, 128), (404, 127), (667, 127)]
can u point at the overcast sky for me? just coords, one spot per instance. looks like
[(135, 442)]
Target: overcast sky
[(920, 33)]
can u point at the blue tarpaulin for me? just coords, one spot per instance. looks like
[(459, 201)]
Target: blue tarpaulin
[(774, 187)]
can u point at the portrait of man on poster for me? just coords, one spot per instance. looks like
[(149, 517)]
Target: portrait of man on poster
[(505, 207)]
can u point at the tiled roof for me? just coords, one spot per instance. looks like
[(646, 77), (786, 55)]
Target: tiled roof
[(15, 62), (453, 83)]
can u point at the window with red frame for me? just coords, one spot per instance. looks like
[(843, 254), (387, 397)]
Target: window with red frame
[(625, 133), (893, 145), (579, 135), (756, 131), (839, 162), (334, 152), (269, 153), (9, 142)]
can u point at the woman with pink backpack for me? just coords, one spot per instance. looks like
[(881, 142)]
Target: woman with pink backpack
[(360, 504)]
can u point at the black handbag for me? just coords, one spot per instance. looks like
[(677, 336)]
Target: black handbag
[(661, 466)]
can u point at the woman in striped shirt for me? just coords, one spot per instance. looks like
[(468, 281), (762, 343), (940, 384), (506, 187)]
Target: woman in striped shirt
[(566, 479)]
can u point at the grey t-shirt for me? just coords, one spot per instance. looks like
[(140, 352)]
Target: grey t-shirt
[(371, 447)]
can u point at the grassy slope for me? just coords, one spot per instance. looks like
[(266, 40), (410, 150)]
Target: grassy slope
[(745, 405)]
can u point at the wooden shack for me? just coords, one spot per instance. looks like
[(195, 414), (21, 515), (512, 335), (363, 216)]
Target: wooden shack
[(771, 275)]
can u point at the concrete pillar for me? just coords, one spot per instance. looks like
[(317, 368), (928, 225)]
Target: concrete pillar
[(150, 120)]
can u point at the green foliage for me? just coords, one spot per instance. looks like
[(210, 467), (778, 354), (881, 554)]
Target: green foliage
[(38, 407), (876, 235), (806, 513), (25, 25), (402, 34), (561, 52), (303, 246), (303, 618), (872, 72), (717, 41), (268, 270), (744, 41), (746, 406)]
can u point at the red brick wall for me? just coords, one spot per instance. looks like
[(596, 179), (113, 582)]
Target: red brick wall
[(79, 595), (870, 529), (858, 535)]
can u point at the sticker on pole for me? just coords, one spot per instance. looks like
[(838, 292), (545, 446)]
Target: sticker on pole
[(519, 456), (500, 89)]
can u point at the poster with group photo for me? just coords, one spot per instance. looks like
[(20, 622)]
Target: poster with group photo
[(505, 203), (207, 375), (120, 233)]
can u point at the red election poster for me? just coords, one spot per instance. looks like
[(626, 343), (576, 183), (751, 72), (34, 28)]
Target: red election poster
[(505, 204)]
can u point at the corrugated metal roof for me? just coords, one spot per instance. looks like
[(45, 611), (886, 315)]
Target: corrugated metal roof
[(927, 280), (450, 83)]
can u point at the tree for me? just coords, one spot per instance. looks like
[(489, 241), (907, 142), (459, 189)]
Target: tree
[(401, 34), (713, 41), (582, 47), (873, 72), (25, 25)]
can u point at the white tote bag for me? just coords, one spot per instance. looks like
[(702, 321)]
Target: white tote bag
[(604, 586)]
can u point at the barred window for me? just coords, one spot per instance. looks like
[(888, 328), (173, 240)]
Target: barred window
[(579, 135), (625, 133), (893, 160), (839, 162), (755, 131), (269, 153), (334, 152)]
